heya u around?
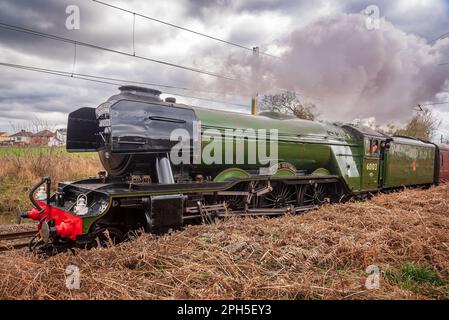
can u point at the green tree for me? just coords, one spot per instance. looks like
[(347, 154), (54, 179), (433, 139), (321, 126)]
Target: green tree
[(422, 126), (289, 104)]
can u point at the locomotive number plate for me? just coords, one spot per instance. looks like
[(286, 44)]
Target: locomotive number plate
[(105, 123)]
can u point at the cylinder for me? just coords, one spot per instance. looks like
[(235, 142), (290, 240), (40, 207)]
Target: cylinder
[(164, 171)]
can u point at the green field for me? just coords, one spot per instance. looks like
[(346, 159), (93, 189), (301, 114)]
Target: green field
[(38, 150)]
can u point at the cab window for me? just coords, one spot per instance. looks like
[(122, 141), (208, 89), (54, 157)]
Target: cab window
[(372, 147), (375, 147)]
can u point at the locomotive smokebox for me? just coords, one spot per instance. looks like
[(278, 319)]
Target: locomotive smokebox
[(130, 130)]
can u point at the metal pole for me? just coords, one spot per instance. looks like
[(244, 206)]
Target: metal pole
[(254, 105)]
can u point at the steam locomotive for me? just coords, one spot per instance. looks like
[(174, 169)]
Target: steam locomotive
[(144, 188)]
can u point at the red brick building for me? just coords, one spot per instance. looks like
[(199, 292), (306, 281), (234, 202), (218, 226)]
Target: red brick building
[(42, 137)]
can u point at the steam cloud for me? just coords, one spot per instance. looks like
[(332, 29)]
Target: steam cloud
[(352, 71)]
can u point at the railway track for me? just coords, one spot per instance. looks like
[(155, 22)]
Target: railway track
[(15, 240)]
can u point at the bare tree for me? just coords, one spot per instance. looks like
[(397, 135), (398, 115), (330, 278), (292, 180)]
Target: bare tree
[(35, 125), (288, 103), (422, 126), (39, 124)]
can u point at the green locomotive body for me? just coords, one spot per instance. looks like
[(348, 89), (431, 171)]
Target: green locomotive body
[(306, 145), (135, 134)]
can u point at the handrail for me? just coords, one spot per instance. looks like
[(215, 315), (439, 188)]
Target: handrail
[(47, 181)]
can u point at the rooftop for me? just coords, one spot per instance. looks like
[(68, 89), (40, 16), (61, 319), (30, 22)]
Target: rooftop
[(23, 133)]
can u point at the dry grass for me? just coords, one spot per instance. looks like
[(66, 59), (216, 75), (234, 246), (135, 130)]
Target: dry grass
[(19, 172), (318, 255), (8, 228)]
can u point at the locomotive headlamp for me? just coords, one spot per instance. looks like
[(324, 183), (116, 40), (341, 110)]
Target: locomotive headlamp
[(81, 208), (41, 194)]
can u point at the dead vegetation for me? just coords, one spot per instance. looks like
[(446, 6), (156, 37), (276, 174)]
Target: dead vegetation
[(21, 168), (318, 255)]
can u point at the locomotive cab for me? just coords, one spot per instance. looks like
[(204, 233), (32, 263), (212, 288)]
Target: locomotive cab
[(374, 146)]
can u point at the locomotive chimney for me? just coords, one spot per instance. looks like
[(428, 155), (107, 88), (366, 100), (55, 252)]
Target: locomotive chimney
[(170, 100), (141, 91)]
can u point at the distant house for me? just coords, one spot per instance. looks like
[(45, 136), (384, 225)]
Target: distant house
[(22, 138), (59, 138), (4, 137), (42, 137)]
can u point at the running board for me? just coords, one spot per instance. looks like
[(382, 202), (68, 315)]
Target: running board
[(205, 212), (272, 212)]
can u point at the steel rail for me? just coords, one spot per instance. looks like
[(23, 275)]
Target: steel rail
[(17, 235)]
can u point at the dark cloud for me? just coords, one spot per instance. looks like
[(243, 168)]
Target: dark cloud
[(100, 26), (202, 8), (274, 5), (328, 59)]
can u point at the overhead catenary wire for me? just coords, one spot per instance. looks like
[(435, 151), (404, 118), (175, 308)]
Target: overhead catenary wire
[(183, 28), (118, 82), (116, 79), (94, 46), (443, 36)]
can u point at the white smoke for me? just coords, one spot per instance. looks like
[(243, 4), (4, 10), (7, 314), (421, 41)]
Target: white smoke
[(355, 72)]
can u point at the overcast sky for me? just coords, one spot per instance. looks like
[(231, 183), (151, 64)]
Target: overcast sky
[(329, 53)]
